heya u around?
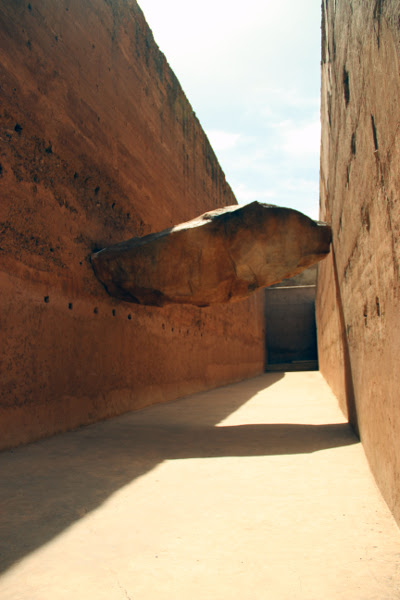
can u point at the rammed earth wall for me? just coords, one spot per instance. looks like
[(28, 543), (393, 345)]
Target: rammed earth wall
[(358, 300), (98, 144)]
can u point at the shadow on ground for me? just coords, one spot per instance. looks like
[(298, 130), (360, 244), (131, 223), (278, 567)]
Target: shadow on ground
[(47, 486)]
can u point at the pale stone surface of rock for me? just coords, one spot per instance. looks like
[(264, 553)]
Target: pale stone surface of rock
[(223, 255)]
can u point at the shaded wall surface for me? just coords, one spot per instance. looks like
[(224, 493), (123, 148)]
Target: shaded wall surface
[(291, 335), (358, 311), (291, 340), (98, 144)]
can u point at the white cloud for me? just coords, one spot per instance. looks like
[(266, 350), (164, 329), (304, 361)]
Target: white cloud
[(222, 140), (245, 195), (301, 140), (252, 74), (293, 97), (301, 185)]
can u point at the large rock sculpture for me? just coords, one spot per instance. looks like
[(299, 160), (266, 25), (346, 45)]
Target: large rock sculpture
[(221, 256)]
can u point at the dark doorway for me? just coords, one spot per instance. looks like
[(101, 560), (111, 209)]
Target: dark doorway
[(291, 339)]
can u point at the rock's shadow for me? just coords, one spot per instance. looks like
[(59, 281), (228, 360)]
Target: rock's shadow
[(47, 486)]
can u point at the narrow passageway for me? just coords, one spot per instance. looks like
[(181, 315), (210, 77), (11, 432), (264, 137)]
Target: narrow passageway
[(255, 490)]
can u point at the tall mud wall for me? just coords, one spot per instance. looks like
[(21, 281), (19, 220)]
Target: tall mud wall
[(358, 300), (98, 144)]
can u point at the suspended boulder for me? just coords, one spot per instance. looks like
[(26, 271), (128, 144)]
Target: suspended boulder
[(221, 256)]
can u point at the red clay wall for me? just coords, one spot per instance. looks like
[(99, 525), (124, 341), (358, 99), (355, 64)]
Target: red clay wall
[(98, 144), (358, 301)]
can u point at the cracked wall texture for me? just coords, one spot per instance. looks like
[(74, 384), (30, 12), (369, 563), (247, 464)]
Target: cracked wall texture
[(98, 144), (358, 311)]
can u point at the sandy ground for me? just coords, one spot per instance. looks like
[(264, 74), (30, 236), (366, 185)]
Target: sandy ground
[(252, 491)]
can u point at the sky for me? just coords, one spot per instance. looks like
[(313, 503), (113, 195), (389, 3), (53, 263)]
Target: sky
[(251, 71)]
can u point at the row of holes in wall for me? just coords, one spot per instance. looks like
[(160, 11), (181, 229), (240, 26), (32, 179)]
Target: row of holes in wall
[(95, 310), (113, 312)]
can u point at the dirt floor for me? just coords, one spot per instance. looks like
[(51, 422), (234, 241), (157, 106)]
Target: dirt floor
[(257, 490)]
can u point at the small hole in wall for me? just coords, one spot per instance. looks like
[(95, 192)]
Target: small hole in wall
[(353, 144), (46, 299), (129, 317), (113, 312), (374, 132), (96, 310), (365, 218), (346, 86), (378, 307), (70, 305)]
